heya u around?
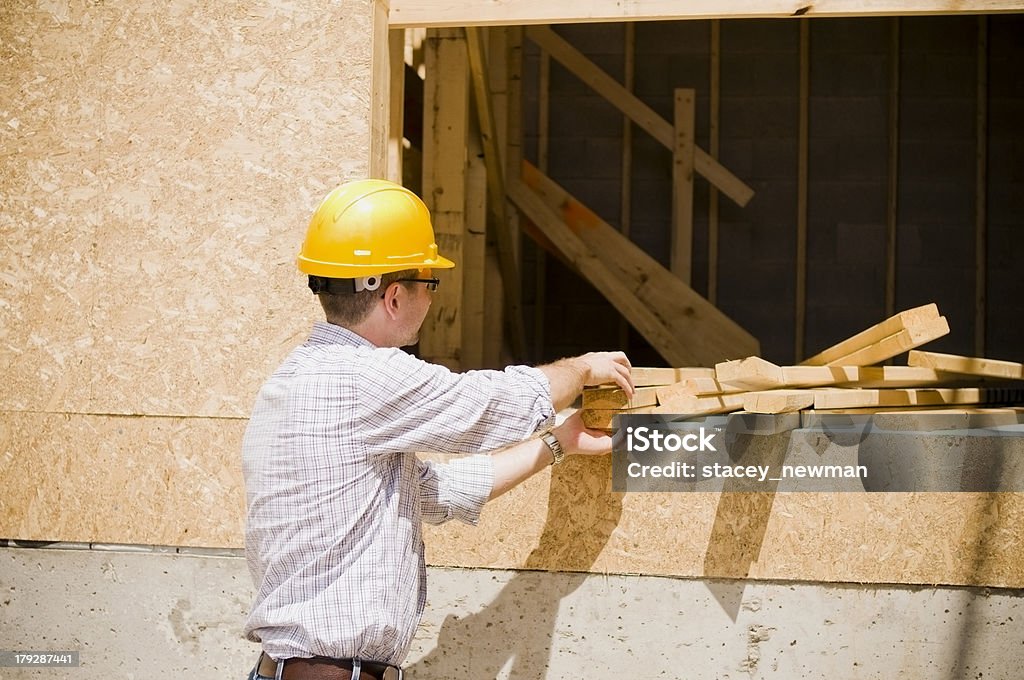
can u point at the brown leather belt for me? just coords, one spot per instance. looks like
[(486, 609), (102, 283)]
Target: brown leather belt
[(324, 668)]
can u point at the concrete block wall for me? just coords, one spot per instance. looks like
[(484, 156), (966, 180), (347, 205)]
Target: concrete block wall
[(141, 614), (848, 172)]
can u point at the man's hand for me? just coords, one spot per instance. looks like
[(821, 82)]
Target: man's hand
[(577, 439), (608, 367)]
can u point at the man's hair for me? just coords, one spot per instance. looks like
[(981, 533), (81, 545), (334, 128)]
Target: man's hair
[(350, 309)]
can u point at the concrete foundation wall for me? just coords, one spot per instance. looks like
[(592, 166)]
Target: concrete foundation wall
[(146, 614)]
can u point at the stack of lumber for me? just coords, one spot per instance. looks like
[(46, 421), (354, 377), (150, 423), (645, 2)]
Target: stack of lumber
[(843, 376)]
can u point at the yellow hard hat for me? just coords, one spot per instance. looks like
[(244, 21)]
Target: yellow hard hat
[(369, 227)]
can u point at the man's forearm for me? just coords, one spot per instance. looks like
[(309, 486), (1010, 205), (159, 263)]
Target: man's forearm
[(518, 463), (567, 378)]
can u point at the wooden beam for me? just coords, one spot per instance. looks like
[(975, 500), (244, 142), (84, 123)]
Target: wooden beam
[(497, 347), (396, 105), (642, 115), (830, 399), (506, 12), (800, 305), (684, 143), (876, 333), (613, 397), (590, 265), (446, 92), (981, 192), (495, 176), (541, 265), (704, 333), (977, 366)]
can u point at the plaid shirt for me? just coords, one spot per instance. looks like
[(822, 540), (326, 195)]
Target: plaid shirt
[(336, 494)]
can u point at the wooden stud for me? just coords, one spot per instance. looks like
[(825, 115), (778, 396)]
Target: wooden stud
[(892, 197), (474, 250), (981, 192), (615, 398), (865, 376), (715, 113), (876, 333), (496, 189), (543, 125), (801, 209), (704, 334), (446, 93), (626, 213), (380, 85), (642, 115), (514, 127), (831, 399), (682, 184), (976, 366), (494, 314), (396, 106)]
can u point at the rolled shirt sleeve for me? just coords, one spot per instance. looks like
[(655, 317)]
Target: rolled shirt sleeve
[(456, 490)]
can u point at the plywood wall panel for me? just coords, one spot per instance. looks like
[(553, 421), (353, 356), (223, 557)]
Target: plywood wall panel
[(160, 162), (117, 479)]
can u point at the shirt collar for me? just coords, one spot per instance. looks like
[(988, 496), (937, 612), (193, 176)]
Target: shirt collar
[(325, 333)]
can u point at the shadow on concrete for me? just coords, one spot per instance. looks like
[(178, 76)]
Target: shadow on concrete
[(512, 635)]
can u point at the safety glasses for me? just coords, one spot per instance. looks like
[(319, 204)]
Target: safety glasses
[(431, 282)]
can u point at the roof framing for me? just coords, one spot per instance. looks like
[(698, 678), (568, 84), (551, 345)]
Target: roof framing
[(439, 13)]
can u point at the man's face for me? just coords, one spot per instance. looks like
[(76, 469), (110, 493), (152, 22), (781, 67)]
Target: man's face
[(419, 298)]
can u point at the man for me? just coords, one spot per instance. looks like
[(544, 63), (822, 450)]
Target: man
[(334, 489)]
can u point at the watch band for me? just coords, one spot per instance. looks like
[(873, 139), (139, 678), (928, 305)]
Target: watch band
[(557, 453)]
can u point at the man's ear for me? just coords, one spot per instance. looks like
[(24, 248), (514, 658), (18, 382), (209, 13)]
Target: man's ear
[(393, 299)]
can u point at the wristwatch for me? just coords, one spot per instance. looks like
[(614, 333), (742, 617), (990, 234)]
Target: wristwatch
[(558, 454)]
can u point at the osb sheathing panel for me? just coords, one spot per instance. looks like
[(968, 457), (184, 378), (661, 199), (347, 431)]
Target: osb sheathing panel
[(571, 521), (178, 481), (121, 479), (159, 165)]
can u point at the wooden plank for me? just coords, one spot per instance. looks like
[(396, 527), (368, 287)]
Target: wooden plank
[(396, 103), (865, 376), (800, 304), (978, 366), (752, 373), (642, 115), (514, 125), (590, 265), (833, 399), (778, 401), (705, 387), (613, 397), (446, 93), (707, 335), (541, 267), (496, 189), (693, 405), (713, 122), (896, 344), (603, 419), (643, 376), (981, 191), (684, 143), (880, 331), (507, 12), (497, 348)]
